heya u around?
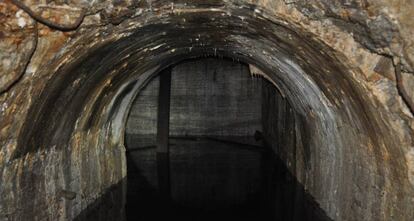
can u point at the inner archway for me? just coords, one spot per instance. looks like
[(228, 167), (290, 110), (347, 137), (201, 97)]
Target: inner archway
[(214, 166), (218, 163)]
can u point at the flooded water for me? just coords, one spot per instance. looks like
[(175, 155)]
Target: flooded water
[(210, 180)]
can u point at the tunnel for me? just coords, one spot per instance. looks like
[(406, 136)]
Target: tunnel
[(216, 164), (206, 110)]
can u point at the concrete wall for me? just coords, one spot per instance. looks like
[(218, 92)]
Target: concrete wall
[(279, 124), (213, 97)]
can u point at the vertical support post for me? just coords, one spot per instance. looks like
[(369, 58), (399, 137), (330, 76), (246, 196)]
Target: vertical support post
[(163, 131)]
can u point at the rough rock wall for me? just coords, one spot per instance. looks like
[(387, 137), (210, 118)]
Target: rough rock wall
[(370, 37)]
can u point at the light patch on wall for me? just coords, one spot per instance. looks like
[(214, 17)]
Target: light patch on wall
[(409, 156), (255, 71), (20, 20)]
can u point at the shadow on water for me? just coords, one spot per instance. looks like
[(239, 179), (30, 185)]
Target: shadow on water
[(109, 207), (281, 198), (286, 198)]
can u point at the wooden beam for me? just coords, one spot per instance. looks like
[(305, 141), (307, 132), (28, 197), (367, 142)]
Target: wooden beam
[(163, 132)]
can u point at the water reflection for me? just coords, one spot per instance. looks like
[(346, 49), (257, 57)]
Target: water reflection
[(280, 197)]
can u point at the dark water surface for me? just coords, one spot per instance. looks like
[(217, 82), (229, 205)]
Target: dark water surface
[(210, 180)]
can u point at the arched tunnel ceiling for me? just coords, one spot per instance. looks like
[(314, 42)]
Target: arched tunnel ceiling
[(72, 99)]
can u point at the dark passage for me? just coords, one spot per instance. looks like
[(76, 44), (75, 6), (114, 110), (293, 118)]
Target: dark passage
[(206, 155)]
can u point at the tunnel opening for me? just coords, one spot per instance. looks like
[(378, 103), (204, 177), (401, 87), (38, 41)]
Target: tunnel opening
[(70, 151), (218, 165)]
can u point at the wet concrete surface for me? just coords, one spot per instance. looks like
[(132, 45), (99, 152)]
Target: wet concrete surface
[(268, 191)]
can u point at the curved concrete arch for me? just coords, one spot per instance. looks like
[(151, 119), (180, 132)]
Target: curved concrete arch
[(354, 170)]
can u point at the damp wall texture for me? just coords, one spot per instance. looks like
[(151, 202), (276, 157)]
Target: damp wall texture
[(65, 92), (209, 97)]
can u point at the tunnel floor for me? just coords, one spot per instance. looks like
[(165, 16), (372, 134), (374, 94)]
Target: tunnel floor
[(203, 171)]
